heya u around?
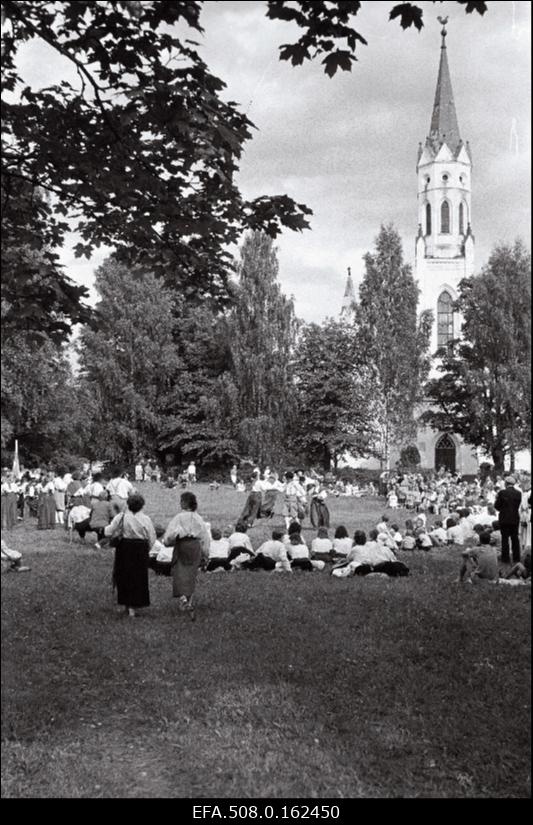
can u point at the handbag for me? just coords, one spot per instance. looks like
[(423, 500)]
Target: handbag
[(117, 539)]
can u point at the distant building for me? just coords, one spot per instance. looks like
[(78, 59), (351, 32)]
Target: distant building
[(444, 255), (444, 247), (349, 301)]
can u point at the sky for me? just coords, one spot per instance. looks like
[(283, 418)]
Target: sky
[(346, 146)]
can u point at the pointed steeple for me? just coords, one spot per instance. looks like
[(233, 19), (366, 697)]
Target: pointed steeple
[(444, 127), (349, 300)]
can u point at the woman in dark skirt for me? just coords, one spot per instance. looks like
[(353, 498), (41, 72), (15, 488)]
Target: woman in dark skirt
[(134, 535), (319, 512), (191, 538), (46, 505)]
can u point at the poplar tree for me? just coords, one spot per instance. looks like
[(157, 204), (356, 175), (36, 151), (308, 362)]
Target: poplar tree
[(394, 341), (261, 336)]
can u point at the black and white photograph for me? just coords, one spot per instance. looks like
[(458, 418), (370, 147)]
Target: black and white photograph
[(266, 403)]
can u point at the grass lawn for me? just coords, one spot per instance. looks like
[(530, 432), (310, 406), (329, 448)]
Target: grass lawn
[(287, 685)]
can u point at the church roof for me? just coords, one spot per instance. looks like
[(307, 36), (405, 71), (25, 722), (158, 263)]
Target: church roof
[(349, 292), (349, 301), (444, 127)]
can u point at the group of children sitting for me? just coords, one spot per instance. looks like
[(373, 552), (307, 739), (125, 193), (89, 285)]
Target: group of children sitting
[(231, 549)]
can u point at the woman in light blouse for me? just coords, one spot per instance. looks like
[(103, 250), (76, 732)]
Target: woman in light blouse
[(136, 535), (190, 536)]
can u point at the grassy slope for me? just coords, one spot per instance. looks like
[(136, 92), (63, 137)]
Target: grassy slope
[(297, 685)]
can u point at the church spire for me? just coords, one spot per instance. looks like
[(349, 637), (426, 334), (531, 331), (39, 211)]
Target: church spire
[(349, 300), (444, 127)]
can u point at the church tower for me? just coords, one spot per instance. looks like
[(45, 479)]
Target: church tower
[(349, 300), (444, 251), (445, 243)]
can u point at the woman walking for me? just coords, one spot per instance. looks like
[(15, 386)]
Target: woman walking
[(134, 535), (190, 536)]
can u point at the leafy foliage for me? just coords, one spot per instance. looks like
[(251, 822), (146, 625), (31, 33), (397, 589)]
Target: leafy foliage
[(37, 297), (261, 336), (484, 391), (333, 393), (40, 405), (327, 23), (129, 361), (203, 400), (394, 341), (140, 153)]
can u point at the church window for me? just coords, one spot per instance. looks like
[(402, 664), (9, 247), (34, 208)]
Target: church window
[(428, 219), (444, 319), (461, 218), (445, 218), (445, 177)]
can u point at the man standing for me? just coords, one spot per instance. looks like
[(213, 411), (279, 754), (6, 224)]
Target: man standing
[(507, 504)]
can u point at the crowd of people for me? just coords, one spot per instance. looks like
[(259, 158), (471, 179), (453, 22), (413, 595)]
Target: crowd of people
[(490, 522)]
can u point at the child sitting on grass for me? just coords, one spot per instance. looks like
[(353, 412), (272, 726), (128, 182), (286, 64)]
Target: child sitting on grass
[(438, 535), (271, 555), (479, 562), (218, 552), (12, 559), (299, 556), (160, 557), (321, 546), (409, 541), (454, 533), (342, 543), (240, 546), (396, 535), (423, 540)]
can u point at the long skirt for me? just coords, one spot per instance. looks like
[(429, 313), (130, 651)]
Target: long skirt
[(252, 509), (9, 510), (319, 514), (46, 512), (130, 573), (185, 563)]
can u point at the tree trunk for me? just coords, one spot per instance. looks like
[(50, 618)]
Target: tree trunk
[(498, 457), (326, 461)]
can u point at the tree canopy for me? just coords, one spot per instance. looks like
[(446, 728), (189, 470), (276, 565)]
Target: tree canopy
[(140, 153), (484, 388), (394, 340)]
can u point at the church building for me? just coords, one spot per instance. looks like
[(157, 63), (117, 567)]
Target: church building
[(444, 252)]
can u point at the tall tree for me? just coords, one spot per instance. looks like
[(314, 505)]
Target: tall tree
[(334, 396), (395, 342), (129, 359), (141, 151), (484, 391), (40, 402), (261, 335), (203, 402)]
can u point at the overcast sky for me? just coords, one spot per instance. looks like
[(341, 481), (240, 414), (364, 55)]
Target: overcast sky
[(347, 146)]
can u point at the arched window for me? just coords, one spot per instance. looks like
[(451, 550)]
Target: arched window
[(444, 319), (445, 453), (428, 219), (445, 218), (461, 219)]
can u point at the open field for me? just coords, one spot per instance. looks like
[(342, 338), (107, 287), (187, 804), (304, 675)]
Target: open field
[(286, 685)]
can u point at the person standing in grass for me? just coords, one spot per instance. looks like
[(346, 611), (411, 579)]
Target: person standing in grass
[(119, 488), (46, 507), (191, 538), (508, 502), (135, 535)]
